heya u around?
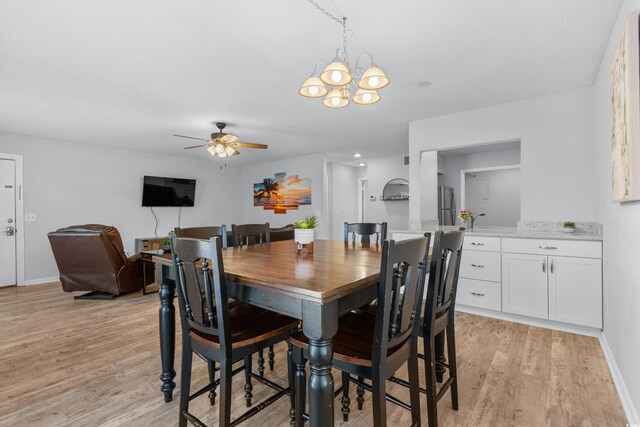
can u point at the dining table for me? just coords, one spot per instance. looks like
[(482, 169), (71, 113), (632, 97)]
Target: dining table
[(316, 288)]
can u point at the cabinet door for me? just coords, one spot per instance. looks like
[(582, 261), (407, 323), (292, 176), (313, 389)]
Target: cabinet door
[(575, 290), (524, 285)]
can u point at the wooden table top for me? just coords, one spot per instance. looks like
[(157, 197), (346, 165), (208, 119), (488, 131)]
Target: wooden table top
[(332, 271)]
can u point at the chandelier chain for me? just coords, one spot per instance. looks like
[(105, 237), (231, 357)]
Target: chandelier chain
[(342, 22)]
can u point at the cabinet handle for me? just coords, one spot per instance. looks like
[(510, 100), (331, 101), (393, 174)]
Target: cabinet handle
[(544, 265), (477, 265), (551, 266), (475, 294), (547, 247), (477, 244)]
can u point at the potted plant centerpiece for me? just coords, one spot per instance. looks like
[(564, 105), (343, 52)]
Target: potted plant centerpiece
[(304, 232), (569, 227)]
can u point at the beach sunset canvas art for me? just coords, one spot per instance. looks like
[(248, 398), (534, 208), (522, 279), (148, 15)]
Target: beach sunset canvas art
[(282, 193)]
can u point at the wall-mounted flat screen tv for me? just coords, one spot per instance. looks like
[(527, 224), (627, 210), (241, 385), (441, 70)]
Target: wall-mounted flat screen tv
[(163, 191)]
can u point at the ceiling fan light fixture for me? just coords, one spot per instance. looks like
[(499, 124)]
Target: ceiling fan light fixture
[(211, 150), (336, 73), (366, 97), (313, 87), (374, 78), (219, 148)]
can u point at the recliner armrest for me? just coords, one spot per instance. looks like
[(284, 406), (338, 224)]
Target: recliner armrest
[(129, 277)]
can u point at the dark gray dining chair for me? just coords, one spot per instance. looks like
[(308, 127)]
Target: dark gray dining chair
[(365, 230), (219, 332)]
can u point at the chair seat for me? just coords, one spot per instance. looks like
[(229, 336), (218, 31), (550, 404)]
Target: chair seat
[(354, 341), (249, 325)]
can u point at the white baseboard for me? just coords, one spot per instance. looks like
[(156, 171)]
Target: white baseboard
[(40, 281), (541, 323), (623, 392)]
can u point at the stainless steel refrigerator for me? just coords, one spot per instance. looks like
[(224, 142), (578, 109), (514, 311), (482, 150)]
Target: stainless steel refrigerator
[(446, 206)]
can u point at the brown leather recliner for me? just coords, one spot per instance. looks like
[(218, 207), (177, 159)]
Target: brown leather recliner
[(91, 258)]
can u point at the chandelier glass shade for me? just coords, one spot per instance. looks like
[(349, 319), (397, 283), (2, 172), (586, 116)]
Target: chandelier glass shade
[(313, 87), (337, 98), (336, 73), (366, 97)]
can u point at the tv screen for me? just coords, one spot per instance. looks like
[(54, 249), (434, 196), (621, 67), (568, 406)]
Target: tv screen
[(163, 191)]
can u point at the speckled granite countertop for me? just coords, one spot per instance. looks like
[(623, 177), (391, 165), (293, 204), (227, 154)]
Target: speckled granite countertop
[(517, 232)]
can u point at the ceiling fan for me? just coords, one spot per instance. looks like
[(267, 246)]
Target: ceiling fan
[(222, 144)]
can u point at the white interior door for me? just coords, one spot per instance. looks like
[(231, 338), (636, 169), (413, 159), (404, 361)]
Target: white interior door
[(362, 199), (7, 222)]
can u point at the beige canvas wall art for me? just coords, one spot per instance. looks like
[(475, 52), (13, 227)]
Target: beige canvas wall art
[(625, 102)]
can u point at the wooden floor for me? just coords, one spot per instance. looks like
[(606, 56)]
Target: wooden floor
[(96, 363)]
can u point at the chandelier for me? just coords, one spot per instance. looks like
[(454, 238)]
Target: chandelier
[(337, 82)]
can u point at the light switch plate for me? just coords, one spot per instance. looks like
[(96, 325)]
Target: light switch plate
[(30, 217)]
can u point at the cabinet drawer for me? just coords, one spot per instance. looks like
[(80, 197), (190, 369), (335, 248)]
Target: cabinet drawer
[(584, 249), (477, 293), (480, 265), (478, 243)]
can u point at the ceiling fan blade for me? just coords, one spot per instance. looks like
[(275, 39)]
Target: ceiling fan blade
[(248, 145), (191, 137), (196, 146)]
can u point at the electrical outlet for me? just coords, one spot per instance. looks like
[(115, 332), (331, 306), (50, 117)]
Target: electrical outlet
[(30, 217)]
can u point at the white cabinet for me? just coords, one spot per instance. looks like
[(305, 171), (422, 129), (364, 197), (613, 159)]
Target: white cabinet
[(478, 293), (560, 288), (524, 285), (480, 265), (575, 290), (480, 275)]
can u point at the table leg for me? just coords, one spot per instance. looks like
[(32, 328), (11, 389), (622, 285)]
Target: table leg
[(320, 324), (167, 337)]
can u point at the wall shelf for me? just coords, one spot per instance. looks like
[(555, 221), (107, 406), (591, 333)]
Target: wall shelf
[(396, 190)]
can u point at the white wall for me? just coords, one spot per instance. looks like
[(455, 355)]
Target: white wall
[(450, 166), (381, 170), (621, 224), (499, 199), (557, 163), (67, 184), (313, 166), (343, 197)]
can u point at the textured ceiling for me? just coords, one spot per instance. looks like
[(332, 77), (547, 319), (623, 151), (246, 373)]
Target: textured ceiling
[(129, 74)]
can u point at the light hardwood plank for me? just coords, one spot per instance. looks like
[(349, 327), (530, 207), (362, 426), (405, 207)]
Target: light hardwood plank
[(66, 362)]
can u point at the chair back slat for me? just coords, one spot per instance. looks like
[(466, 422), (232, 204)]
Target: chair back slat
[(443, 274), (365, 230), (202, 292), (204, 233), (249, 234), (402, 277)]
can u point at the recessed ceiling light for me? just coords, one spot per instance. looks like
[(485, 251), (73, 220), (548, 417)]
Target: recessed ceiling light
[(357, 155), (425, 83), (362, 164)]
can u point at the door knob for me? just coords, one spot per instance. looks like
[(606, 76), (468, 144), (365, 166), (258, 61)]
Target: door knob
[(10, 231)]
